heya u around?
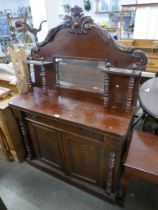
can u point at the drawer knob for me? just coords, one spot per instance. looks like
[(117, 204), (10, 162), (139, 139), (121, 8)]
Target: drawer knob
[(87, 132), (34, 116)]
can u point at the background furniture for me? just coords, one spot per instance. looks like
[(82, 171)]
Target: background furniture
[(148, 98), (67, 130), (131, 8), (150, 47), (11, 146), (142, 159), (18, 58)]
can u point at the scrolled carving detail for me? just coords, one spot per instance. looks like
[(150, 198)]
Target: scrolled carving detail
[(50, 36), (105, 36), (123, 48), (78, 23), (141, 62), (35, 55)]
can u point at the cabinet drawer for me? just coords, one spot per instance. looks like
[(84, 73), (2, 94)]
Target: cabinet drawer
[(66, 127)]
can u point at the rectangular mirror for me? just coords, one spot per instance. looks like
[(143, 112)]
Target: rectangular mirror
[(80, 74)]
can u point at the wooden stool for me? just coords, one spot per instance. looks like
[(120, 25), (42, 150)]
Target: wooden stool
[(142, 160)]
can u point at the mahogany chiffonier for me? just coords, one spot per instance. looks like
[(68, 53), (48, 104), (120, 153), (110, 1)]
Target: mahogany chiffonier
[(74, 124)]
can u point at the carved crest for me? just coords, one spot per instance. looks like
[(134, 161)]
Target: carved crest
[(77, 22), (141, 60)]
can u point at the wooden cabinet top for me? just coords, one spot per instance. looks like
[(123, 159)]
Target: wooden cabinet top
[(87, 112)]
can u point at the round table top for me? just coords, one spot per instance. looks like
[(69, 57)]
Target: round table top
[(148, 97)]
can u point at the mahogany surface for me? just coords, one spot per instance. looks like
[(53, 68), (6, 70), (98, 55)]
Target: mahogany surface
[(79, 46), (141, 161), (142, 156), (148, 97), (74, 110)]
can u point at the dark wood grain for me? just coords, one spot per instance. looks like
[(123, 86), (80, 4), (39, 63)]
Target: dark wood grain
[(143, 154), (142, 160), (73, 110)]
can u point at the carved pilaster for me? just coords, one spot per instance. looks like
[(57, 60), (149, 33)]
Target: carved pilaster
[(106, 90), (106, 85), (111, 165), (44, 83), (30, 80), (130, 93), (26, 141)]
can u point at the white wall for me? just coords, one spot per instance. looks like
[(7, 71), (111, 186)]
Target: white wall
[(52, 12), (146, 20), (146, 23), (38, 15), (45, 10)]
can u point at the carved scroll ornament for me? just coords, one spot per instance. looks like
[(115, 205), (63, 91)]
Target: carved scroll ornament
[(79, 24), (141, 62)]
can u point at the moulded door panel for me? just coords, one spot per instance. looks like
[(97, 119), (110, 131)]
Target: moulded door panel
[(86, 159), (46, 144)]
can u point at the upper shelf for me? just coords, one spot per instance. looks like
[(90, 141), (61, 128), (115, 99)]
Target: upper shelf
[(140, 5)]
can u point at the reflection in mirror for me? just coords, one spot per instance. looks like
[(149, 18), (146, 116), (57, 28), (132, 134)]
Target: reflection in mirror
[(80, 74)]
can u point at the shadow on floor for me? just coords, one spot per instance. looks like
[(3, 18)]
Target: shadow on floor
[(23, 187)]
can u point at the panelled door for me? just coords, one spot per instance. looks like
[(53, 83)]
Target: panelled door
[(86, 159), (46, 144)]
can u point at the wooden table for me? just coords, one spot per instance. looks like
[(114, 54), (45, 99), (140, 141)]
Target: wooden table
[(141, 162), (148, 98)]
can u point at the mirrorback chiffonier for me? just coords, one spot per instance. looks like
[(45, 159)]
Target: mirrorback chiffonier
[(77, 116)]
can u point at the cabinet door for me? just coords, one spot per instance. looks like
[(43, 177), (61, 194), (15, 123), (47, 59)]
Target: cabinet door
[(86, 159), (46, 144)]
